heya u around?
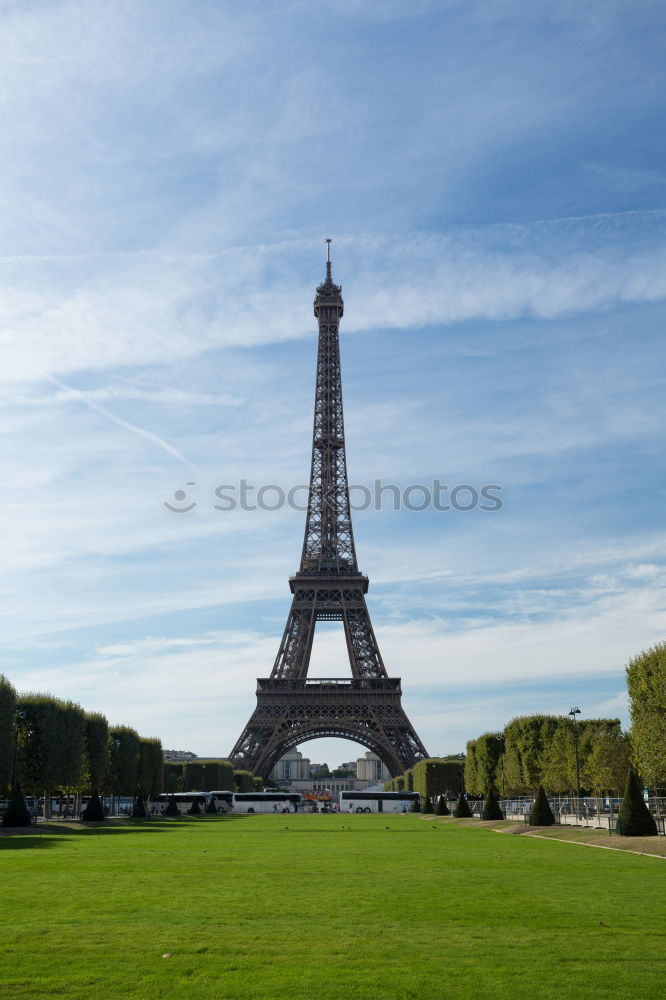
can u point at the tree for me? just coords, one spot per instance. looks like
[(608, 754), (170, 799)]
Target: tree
[(558, 768), (51, 744), (125, 747), (195, 809), (416, 806), (226, 776), (258, 783), (541, 814), (206, 775), (211, 808), (482, 762), (491, 807), (427, 805), (526, 739), (442, 808), (471, 773), (243, 781), (646, 682), (95, 751), (634, 818), (7, 731), (174, 778), (462, 809), (607, 758), (150, 772)]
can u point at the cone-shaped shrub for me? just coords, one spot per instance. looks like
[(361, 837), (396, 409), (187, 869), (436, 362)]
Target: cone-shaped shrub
[(442, 808), (194, 809), (211, 808), (139, 809), (427, 805), (17, 811), (172, 808), (462, 810), (634, 818), (491, 807), (541, 814), (416, 806), (94, 811)]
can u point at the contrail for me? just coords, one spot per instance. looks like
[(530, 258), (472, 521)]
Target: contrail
[(149, 435)]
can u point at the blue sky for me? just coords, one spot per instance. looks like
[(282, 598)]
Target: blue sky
[(493, 177)]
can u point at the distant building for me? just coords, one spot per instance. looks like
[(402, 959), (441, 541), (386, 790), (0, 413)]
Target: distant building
[(370, 768), (296, 771), (292, 767), (178, 756)]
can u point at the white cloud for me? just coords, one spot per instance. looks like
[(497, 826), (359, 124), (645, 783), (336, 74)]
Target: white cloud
[(150, 309)]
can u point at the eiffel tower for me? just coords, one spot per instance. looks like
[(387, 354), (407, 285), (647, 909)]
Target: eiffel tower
[(292, 708)]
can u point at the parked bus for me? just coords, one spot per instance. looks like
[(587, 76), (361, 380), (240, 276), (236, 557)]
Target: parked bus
[(267, 802), (377, 802), (184, 800), (224, 801)]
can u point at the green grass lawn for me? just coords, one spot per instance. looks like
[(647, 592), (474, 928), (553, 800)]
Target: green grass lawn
[(328, 908)]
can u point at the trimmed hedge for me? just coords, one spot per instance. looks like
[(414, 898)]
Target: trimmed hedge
[(139, 809), (442, 808), (491, 807), (427, 805), (94, 811), (17, 811), (462, 809), (634, 818), (541, 813)]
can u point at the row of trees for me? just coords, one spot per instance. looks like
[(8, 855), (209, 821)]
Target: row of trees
[(207, 776), (431, 778), (541, 749), (538, 750), (56, 746)]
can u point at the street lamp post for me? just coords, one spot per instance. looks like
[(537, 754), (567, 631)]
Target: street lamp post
[(573, 713)]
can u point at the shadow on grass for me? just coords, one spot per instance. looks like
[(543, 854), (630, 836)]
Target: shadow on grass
[(26, 842), (48, 834)]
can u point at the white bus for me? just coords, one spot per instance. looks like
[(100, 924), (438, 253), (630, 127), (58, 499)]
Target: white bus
[(376, 802), (184, 800), (267, 802), (224, 801)]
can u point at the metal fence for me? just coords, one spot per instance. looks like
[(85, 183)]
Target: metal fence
[(595, 812)]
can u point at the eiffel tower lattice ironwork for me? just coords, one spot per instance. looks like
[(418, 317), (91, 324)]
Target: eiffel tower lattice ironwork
[(366, 707)]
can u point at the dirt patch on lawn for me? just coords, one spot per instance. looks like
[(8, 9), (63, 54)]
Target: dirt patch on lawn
[(589, 837)]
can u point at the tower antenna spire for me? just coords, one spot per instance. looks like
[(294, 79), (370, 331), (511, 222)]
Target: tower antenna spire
[(328, 260)]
